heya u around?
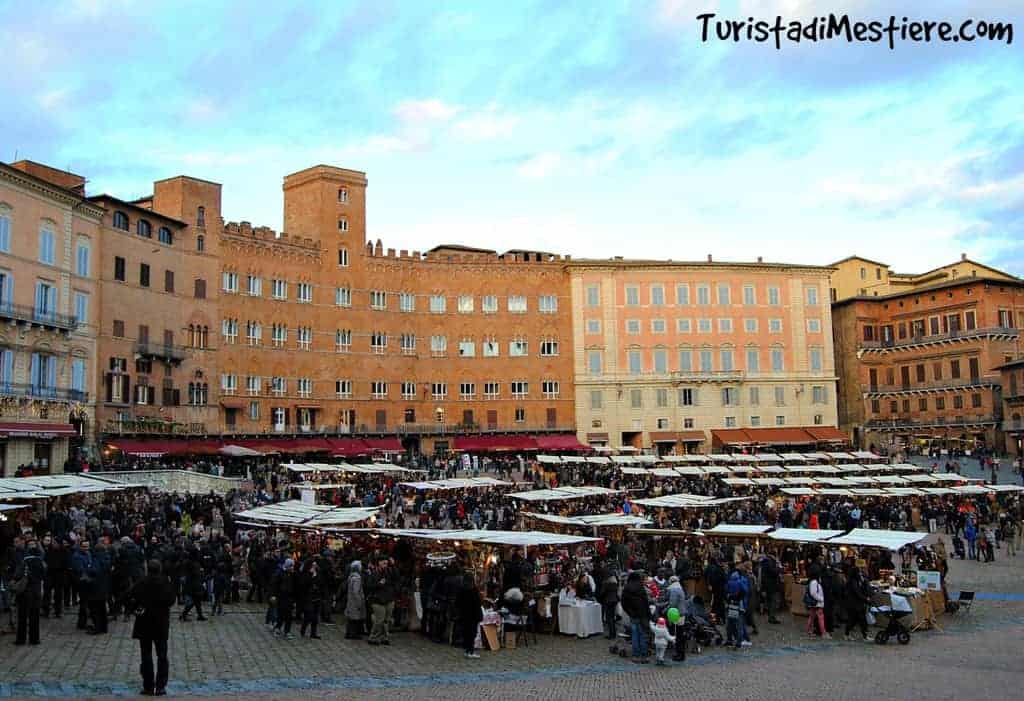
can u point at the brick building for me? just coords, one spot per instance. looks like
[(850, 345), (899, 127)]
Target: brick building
[(919, 364), (1012, 380), (701, 356)]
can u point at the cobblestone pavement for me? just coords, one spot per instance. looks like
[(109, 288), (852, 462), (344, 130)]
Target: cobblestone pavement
[(235, 656)]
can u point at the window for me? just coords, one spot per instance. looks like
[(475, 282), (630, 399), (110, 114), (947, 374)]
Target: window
[(520, 389), (82, 307), (657, 296), (633, 327), (954, 369), (304, 337), (725, 325), (46, 301), (730, 396), (1005, 319), (775, 325), (780, 420), (165, 236), (703, 295), (343, 296), (253, 385), (596, 399), (958, 401), (378, 299), (343, 225), (685, 361), (78, 375), (632, 296), (635, 362), (343, 389), (201, 217), (121, 221), (705, 361), (593, 296), (490, 348), (682, 295), (547, 304), (940, 403), (279, 289), (725, 357), (636, 398), (169, 281), (438, 346), (144, 274), (811, 294), (518, 347), (230, 282), (660, 357), (489, 304), (378, 389), (5, 233), (687, 397), (437, 304), (201, 246), (407, 343), (253, 333), (408, 390), (683, 325), (467, 348), (254, 411), (82, 258), (594, 358), (753, 360), (229, 329), (343, 257), (773, 296), (117, 328), (378, 342), (704, 325), (816, 360), (305, 292), (749, 295), (755, 396), (279, 335), (278, 386), (814, 326), (593, 326), (750, 325), (818, 395), (465, 304), (730, 422), (467, 390), (439, 390), (343, 195), (661, 401), (228, 384), (517, 304), (520, 414), (724, 294), (198, 393), (199, 289), (755, 421), (780, 396), (548, 348), (777, 364), (144, 229), (970, 320), (491, 390)]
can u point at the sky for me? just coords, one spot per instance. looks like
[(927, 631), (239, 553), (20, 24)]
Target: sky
[(592, 128)]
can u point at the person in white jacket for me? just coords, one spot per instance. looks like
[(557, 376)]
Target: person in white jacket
[(816, 612), (662, 638)]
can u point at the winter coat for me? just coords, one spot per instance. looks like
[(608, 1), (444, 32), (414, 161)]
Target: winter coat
[(355, 607), (610, 591), (661, 636), (154, 595), (634, 600), (677, 597), (468, 605), (33, 567)]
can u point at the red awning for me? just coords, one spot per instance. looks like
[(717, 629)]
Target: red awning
[(691, 436), (311, 445), (36, 430), (828, 434), (779, 436), (664, 436), (495, 443), (157, 448), (347, 447), (731, 436), (145, 449), (384, 445), (559, 441)]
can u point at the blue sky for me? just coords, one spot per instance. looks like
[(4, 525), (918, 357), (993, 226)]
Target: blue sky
[(590, 128)]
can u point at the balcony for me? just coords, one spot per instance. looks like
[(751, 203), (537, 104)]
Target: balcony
[(956, 422), (935, 387), (709, 376), (455, 429), (10, 389), (1013, 426), (165, 351), (996, 333), (22, 314)]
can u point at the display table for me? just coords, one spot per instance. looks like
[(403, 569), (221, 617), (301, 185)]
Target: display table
[(582, 619)]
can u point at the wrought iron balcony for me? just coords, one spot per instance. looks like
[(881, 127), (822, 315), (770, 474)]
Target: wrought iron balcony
[(169, 352), (25, 314), (950, 337), (709, 376), (935, 386), (900, 425), (12, 389)]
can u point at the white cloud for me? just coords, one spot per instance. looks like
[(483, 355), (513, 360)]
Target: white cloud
[(430, 110), (486, 126), (539, 166), (53, 100)]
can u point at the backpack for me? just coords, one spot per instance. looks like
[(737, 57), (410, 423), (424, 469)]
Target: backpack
[(809, 600), (733, 591)]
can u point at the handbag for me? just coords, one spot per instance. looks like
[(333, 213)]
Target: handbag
[(870, 618), (809, 600)]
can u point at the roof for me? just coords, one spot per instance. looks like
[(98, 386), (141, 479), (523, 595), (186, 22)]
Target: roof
[(856, 257), (946, 284), (52, 187), (1018, 363), (647, 263), (104, 197), (969, 261), (460, 247)]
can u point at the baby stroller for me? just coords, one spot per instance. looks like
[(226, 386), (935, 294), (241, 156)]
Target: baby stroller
[(958, 548), (699, 627), (899, 609)]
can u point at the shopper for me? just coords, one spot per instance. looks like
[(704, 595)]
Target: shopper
[(153, 598), (469, 612)]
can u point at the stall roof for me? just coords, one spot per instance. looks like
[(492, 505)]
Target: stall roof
[(907, 467), (793, 457), (599, 459), (771, 469), (745, 469), (798, 480), (803, 535), (296, 514), (865, 455), (839, 456), (46, 486), (738, 530), (866, 537), (311, 467), (457, 483), (593, 521), (689, 470), (851, 467), (821, 457), (767, 481), (520, 538), (836, 492), (763, 457), (798, 491), (738, 481), (1005, 488), (723, 457), (563, 493), (549, 459), (716, 470), (633, 471), (686, 501), (946, 477)]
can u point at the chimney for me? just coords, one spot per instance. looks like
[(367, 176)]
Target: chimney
[(760, 259), (963, 256), (709, 258)]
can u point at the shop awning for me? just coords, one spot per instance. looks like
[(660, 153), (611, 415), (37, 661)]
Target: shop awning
[(384, 445), (731, 436), (495, 443), (560, 441), (890, 540), (780, 436), (346, 447), (827, 434), (35, 430), (803, 535), (691, 436), (677, 436)]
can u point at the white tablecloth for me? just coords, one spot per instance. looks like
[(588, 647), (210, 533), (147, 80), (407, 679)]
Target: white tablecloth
[(580, 619)]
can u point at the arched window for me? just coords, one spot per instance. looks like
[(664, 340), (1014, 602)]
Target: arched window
[(144, 229), (5, 228), (200, 243), (191, 335), (166, 236), (121, 221), (204, 337), (201, 217)]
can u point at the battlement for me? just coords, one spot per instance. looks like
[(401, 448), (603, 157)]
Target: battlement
[(464, 255), (266, 234)]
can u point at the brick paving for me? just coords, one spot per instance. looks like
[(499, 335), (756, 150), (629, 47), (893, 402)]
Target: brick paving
[(235, 656)]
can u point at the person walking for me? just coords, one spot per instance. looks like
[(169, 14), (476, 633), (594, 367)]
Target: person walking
[(609, 603), (29, 577), (99, 591), (153, 597), (310, 599), (194, 587), (355, 603), (469, 612), (382, 603), (855, 601), (771, 586), (814, 600), (284, 591), (637, 606), (58, 561), (82, 570)]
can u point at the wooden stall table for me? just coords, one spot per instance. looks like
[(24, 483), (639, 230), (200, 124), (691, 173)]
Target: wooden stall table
[(796, 601), (787, 587)]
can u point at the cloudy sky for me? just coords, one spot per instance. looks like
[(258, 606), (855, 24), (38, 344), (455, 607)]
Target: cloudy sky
[(589, 128)]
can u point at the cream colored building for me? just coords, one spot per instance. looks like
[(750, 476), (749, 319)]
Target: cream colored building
[(702, 356), (862, 277)]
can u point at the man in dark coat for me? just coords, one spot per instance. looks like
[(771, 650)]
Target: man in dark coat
[(32, 568), (99, 590), (469, 612), (153, 598), (58, 561)]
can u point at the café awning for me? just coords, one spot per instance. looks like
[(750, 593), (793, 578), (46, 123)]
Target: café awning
[(493, 443), (13, 429), (559, 441)]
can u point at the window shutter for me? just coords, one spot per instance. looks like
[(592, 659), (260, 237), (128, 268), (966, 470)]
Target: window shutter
[(110, 386), (151, 399), (51, 372), (8, 366), (33, 372), (125, 387), (176, 397), (286, 417)]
